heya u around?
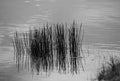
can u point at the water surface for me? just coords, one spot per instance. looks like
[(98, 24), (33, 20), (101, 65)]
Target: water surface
[(100, 19)]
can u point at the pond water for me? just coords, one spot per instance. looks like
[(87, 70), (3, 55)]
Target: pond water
[(100, 20)]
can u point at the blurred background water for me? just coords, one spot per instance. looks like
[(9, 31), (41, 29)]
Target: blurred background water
[(100, 20)]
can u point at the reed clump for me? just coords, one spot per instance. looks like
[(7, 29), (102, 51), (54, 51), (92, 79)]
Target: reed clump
[(111, 71), (48, 48)]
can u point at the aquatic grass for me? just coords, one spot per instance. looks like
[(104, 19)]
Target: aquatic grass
[(18, 49), (61, 47), (45, 49), (41, 50), (75, 44), (111, 71)]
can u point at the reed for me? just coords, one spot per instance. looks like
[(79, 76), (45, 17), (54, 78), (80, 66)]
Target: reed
[(111, 72), (46, 49), (19, 51), (41, 50), (75, 45), (61, 47)]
